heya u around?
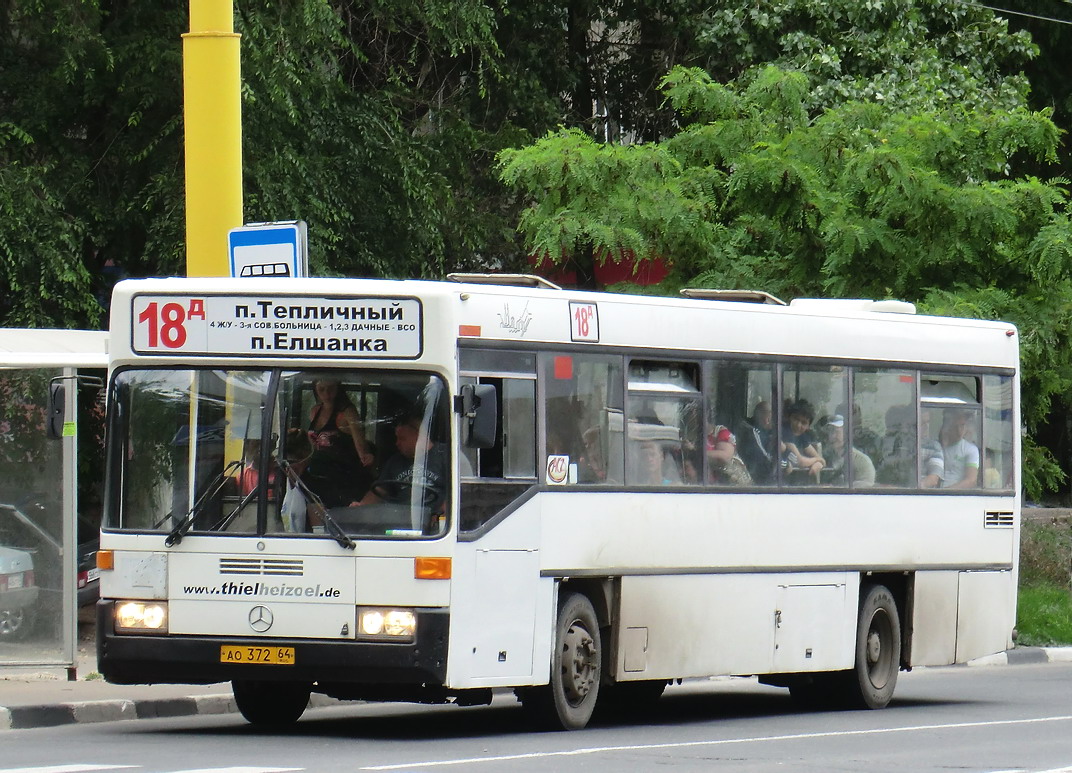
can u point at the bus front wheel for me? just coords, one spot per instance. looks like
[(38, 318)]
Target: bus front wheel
[(576, 668), (878, 650), (271, 704)]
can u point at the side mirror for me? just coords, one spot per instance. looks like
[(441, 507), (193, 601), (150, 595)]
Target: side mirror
[(57, 402), (477, 405)]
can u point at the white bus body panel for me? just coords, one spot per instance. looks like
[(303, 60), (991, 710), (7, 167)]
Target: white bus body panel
[(502, 611), (708, 533), (729, 583), (987, 603), (696, 625), (509, 314), (211, 583), (934, 618)]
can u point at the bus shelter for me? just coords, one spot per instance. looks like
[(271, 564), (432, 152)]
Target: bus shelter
[(49, 490)]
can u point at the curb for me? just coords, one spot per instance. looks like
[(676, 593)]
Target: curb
[(24, 717), (1025, 656), (27, 717)]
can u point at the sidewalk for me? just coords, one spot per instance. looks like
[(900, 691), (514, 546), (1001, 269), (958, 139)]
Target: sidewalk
[(43, 697)]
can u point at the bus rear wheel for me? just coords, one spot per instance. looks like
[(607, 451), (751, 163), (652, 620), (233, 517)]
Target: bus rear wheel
[(568, 701), (878, 650), (271, 704)]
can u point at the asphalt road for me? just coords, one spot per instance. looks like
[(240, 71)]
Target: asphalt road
[(986, 719)]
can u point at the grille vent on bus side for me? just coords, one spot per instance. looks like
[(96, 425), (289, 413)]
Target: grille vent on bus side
[(292, 567), (999, 519)]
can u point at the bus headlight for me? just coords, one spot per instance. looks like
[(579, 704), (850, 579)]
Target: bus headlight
[(385, 623), (141, 617)]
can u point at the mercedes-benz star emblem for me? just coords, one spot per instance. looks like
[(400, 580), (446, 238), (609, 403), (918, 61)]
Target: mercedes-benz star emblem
[(260, 618)]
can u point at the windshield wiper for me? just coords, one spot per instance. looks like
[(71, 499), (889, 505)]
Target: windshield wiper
[(330, 524), (213, 488), (224, 523)]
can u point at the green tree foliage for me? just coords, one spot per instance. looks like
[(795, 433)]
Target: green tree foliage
[(357, 117), (350, 120), (89, 100), (906, 53)]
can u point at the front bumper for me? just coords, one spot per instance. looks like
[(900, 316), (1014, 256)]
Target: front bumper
[(186, 659)]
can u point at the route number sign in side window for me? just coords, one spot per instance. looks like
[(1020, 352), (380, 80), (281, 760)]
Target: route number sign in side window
[(584, 322)]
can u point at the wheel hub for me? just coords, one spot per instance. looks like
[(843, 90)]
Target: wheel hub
[(579, 663), (878, 656)]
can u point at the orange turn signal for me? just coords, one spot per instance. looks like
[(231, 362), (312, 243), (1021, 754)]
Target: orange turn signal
[(105, 559), (429, 568)]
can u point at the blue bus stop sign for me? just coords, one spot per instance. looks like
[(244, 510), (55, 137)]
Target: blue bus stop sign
[(268, 250)]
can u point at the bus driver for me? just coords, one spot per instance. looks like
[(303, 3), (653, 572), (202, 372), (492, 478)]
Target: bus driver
[(417, 462)]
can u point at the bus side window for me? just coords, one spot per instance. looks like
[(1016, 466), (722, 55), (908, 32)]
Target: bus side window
[(812, 450), (998, 467), (491, 478), (954, 403), (583, 414), (739, 440), (884, 423), (664, 427), (514, 452)]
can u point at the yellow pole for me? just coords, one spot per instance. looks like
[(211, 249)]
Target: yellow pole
[(213, 118)]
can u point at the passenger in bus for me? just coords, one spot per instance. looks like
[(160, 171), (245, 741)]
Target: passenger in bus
[(896, 457), (991, 473), (837, 453), (341, 466), (417, 463), (961, 455), (724, 466), (931, 456), (800, 448), (251, 474), (863, 437), (756, 444), (592, 468), (655, 467)]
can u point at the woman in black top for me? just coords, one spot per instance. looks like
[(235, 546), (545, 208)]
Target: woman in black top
[(340, 469)]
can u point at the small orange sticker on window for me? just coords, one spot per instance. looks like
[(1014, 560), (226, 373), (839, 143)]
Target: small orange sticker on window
[(563, 366)]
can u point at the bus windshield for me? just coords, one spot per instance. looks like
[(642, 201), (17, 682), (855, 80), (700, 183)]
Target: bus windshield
[(349, 453)]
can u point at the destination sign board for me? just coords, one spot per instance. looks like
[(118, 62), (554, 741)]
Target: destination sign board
[(277, 326)]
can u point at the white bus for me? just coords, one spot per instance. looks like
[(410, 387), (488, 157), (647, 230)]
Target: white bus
[(568, 494)]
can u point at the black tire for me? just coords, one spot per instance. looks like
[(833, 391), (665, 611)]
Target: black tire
[(16, 624), (878, 650), (273, 705), (567, 703)]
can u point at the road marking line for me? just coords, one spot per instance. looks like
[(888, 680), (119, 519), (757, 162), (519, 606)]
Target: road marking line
[(66, 768), (242, 769), (722, 742)]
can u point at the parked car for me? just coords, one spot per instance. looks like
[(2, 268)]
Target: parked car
[(22, 526), (18, 594), (88, 573)]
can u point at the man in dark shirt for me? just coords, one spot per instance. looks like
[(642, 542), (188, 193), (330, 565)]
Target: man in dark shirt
[(756, 444), (417, 463)]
